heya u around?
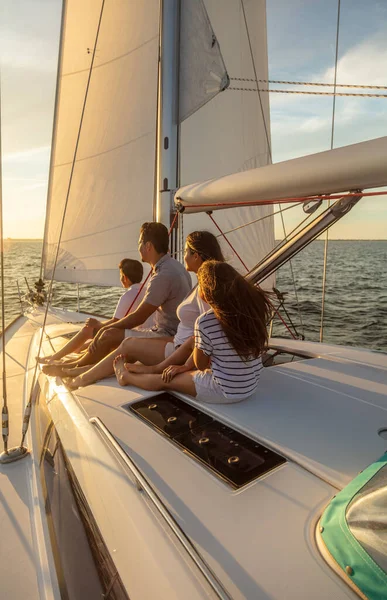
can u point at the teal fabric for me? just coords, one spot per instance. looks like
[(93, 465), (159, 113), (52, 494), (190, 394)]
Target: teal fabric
[(344, 547)]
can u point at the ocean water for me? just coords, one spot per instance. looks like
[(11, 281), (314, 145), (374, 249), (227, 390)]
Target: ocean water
[(355, 298)]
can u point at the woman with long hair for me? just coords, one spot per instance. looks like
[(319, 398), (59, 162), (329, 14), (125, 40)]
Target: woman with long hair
[(229, 339), (200, 246)]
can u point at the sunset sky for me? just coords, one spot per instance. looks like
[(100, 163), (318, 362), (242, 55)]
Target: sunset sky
[(301, 44)]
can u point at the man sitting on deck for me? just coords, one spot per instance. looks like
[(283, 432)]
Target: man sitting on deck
[(168, 286)]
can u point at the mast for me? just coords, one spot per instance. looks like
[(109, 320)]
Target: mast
[(167, 122)]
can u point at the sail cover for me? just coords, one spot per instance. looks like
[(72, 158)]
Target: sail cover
[(358, 166), (227, 134), (113, 183)]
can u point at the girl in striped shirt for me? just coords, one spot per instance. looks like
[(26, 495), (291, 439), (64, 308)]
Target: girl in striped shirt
[(229, 339)]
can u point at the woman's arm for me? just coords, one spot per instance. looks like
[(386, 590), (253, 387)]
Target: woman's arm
[(201, 360), (190, 365), (170, 372)]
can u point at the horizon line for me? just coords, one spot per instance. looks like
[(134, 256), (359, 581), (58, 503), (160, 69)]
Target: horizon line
[(276, 239)]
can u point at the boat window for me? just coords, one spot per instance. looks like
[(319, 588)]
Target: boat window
[(367, 518), (83, 564), (229, 454), (352, 534)]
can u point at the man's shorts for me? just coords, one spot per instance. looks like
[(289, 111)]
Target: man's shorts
[(146, 333)]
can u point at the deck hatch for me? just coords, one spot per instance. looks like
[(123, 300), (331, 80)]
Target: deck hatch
[(229, 454), (170, 415)]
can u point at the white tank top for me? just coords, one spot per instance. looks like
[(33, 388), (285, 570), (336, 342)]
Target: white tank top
[(187, 312)]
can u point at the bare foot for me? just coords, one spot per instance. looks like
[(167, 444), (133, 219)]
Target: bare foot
[(44, 360), (139, 368), (120, 369), (74, 371), (53, 370), (58, 362), (73, 383)]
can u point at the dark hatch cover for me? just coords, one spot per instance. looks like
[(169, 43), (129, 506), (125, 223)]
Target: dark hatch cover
[(228, 453)]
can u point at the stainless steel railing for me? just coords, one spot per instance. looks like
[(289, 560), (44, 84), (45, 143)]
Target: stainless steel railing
[(144, 485)]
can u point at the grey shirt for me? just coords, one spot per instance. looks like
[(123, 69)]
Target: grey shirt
[(168, 286)]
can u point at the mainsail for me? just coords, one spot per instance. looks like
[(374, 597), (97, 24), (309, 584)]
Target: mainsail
[(222, 131), (113, 185), (227, 134)]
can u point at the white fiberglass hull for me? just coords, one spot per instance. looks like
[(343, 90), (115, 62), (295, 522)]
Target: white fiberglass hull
[(254, 542)]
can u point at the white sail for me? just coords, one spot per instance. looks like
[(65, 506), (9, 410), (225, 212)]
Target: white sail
[(202, 72), (113, 183), (359, 166), (228, 134)]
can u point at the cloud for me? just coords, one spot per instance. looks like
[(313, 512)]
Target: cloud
[(362, 64), (31, 154), (302, 124), (21, 52), (29, 35), (313, 124)]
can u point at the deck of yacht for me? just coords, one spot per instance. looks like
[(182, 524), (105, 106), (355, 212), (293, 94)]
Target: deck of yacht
[(321, 413), (24, 565)]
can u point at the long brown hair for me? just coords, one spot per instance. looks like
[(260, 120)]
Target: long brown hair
[(241, 308), (205, 244)]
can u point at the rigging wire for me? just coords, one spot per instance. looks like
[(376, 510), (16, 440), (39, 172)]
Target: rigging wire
[(49, 294), (245, 266), (219, 235), (270, 154), (228, 241), (260, 219), (329, 202), (256, 78), (293, 231), (4, 414)]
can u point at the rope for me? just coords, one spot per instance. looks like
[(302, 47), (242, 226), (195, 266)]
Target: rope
[(329, 203), (240, 89), (228, 241), (293, 278), (247, 270), (180, 252), (344, 85), (268, 141), (49, 295), (256, 79)]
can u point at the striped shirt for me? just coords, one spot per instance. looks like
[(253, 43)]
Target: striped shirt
[(237, 378)]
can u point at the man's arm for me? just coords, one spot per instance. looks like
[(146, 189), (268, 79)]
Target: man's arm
[(109, 322), (92, 322), (136, 318)]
